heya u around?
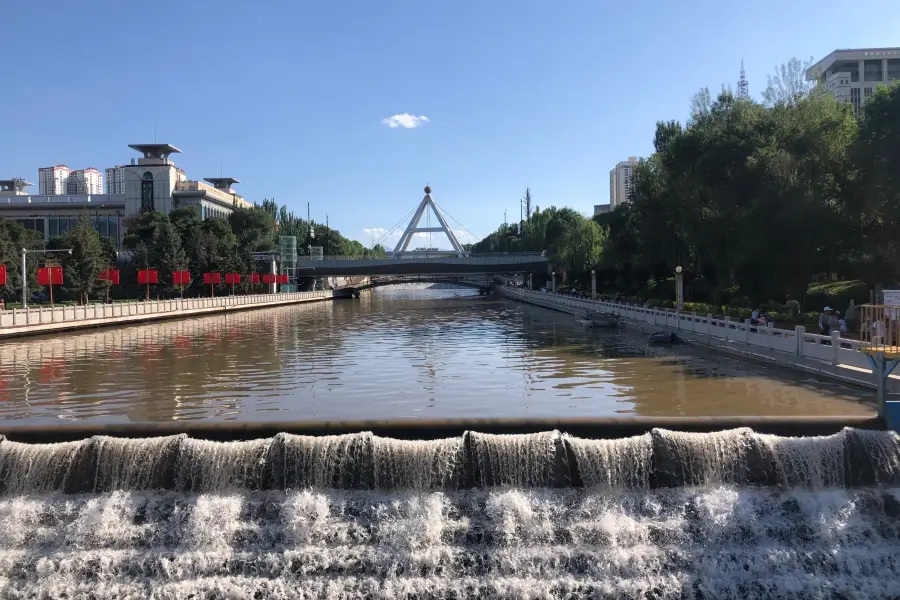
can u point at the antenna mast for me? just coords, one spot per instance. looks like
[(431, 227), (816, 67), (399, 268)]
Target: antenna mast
[(743, 87)]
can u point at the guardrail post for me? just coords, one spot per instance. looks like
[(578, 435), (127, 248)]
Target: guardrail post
[(800, 333), (770, 328), (747, 331), (709, 325), (727, 327), (836, 348)]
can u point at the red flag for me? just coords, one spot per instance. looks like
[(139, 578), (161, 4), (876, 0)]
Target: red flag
[(232, 278), (181, 278), (211, 278), (110, 275), (2, 274), (282, 278), (254, 278), (50, 276), (147, 276)]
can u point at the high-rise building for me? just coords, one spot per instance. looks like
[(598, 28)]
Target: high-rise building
[(115, 180), (54, 181), (85, 182), (852, 75), (620, 183)]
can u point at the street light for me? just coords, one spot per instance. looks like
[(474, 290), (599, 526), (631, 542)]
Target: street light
[(25, 252), (679, 289), (593, 284), (553, 285)]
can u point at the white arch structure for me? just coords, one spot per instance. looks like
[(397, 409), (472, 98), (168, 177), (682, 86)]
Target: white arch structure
[(402, 248)]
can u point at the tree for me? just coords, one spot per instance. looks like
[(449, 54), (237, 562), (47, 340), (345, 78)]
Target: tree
[(168, 256), (81, 269), (527, 200), (788, 85)]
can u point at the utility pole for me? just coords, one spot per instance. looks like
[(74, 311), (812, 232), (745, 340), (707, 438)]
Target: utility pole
[(310, 233), (327, 231)]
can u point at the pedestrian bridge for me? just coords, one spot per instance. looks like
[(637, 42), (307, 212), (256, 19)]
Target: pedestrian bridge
[(412, 265), (482, 284)]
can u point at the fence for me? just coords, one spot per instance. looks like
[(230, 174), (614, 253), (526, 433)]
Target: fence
[(26, 317), (798, 342)]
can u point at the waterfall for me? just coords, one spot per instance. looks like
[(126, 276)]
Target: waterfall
[(665, 515)]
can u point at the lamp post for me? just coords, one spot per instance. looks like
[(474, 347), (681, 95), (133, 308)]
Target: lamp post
[(679, 289), (553, 282), (25, 253), (593, 284)]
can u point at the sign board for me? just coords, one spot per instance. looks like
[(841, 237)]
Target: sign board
[(2, 274), (232, 278), (282, 278), (212, 278), (181, 278), (891, 297), (316, 253), (254, 278)]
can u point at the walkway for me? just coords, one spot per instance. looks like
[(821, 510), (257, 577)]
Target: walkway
[(501, 263), (829, 356), (37, 321)]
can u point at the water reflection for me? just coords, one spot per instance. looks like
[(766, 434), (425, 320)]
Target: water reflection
[(406, 353)]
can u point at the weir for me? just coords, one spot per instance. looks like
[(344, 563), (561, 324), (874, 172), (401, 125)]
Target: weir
[(549, 515)]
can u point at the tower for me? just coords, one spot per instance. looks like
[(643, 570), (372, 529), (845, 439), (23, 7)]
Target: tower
[(743, 88)]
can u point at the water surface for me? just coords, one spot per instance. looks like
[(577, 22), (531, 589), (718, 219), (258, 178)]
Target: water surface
[(393, 354)]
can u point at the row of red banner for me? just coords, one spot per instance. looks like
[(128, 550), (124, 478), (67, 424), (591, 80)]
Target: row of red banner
[(54, 276)]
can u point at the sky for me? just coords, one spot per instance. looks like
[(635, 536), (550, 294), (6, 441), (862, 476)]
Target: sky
[(353, 106)]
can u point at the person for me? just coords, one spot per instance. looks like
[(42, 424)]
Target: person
[(825, 321), (842, 323), (754, 317)]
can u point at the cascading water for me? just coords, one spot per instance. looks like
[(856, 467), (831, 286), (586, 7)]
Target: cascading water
[(732, 514)]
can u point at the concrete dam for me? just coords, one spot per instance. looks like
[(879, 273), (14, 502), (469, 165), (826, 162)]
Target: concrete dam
[(662, 515)]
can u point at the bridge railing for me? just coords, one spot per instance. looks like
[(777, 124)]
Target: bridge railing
[(826, 348), (24, 317), (498, 259)]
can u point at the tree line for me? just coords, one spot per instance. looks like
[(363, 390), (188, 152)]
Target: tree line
[(179, 241), (756, 201)]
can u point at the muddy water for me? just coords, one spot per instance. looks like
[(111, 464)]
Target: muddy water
[(392, 354)]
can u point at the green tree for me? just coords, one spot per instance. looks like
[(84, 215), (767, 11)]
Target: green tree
[(82, 268)]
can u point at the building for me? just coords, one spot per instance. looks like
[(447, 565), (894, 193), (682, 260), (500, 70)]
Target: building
[(620, 184), (85, 182), (852, 75), (55, 214), (600, 209), (53, 180), (150, 183), (115, 180)]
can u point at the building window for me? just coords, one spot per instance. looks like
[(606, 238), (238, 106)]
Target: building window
[(873, 70), (893, 67), (854, 98), (867, 93), (147, 192)]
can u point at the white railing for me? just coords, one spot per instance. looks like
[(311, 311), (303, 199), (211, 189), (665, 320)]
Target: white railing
[(798, 342), (66, 314)]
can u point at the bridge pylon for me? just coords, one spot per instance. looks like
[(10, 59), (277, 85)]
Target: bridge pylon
[(402, 248)]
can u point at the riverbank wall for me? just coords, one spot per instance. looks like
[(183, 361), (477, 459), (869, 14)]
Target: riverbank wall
[(43, 321)]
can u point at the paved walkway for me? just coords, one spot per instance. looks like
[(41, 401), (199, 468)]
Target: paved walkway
[(38, 321)]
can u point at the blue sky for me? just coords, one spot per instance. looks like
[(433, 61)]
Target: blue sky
[(291, 97)]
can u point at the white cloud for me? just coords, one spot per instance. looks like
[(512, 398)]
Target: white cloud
[(407, 121)]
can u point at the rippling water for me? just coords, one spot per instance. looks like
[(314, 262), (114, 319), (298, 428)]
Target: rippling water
[(394, 353)]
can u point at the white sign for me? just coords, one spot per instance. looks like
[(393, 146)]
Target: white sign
[(891, 297)]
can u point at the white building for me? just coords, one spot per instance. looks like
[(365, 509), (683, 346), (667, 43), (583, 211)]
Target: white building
[(53, 180), (115, 180), (852, 75), (620, 184), (600, 209), (85, 182)]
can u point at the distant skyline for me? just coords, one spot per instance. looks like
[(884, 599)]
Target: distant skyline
[(354, 107)]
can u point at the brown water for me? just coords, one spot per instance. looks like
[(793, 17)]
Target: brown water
[(392, 354)]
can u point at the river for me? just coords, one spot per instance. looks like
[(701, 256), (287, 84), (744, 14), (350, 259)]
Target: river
[(396, 353)]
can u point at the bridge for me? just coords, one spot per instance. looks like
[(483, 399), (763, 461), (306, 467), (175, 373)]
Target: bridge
[(472, 264), (423, 261), (483, 284)]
